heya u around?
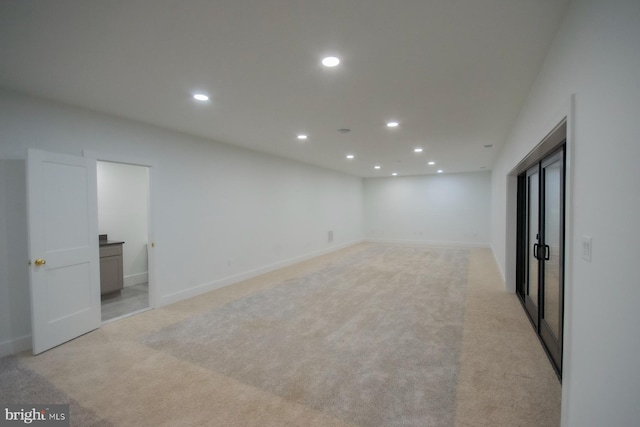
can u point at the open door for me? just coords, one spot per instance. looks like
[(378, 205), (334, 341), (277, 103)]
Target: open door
[(64, 268)]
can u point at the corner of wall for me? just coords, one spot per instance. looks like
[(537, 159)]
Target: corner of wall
[(502, 274), (15, 345)]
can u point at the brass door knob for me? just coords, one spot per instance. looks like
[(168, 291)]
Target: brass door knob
[(40, 261)]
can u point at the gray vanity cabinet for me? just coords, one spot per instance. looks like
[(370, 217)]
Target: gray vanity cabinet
[(111, 278)]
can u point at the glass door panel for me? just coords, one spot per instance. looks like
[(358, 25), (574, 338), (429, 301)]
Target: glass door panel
[(552, 248), (532, 222), (553, 253), (540, 246)]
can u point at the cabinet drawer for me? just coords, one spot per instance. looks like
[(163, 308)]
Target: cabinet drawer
[(110, 250)]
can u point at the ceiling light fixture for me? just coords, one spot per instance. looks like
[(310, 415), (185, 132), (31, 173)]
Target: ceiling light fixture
[(395, 174), (376, 167), (302, 136), (330, 61), (350, 156), (392, 124), (200, 97), (431, 163), (440, 171), (417, 150)]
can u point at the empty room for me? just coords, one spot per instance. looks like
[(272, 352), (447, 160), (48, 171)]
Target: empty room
[(319, 213)]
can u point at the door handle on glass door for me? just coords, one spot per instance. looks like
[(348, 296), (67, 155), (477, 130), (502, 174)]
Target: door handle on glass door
[(547, 252), (535, 251)]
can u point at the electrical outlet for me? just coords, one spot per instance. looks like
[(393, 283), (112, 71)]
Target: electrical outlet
[(586, 248)]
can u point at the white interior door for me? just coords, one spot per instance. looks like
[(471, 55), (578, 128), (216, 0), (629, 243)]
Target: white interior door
[(63, 247)]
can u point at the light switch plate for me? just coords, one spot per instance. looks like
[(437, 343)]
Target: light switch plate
[(586, 248)]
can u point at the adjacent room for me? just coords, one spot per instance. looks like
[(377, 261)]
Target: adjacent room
[(123, 219), (320, 213)]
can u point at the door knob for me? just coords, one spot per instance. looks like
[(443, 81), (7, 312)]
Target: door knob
[(40, 261)]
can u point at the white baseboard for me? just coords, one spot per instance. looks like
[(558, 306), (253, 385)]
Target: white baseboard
[(217, 284), (136, 279), (502, 275), (15, 345), (431, 243)]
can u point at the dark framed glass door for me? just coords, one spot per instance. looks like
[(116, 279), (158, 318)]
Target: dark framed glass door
[(532, 238), (552, 256), (540, 268)]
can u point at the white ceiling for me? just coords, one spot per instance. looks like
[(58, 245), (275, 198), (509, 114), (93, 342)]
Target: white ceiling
[(452, 72)]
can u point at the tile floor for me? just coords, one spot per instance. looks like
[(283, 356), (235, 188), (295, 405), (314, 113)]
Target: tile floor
[(130, 299)]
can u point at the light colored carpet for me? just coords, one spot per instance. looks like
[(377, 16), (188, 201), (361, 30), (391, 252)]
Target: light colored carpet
[(373, 339), (504, 377), (372, 335), (19, 385)]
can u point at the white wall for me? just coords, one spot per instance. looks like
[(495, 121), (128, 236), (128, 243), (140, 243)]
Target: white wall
[(15, 320), (431, 209), (596, 56), (123, 197), (220, 213)]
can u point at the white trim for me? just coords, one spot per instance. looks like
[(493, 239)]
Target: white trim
[(430, 243), (217, 284), (153, 180), (567, 324), (136, 279), (15, 345), (495, 259), (565, 111)]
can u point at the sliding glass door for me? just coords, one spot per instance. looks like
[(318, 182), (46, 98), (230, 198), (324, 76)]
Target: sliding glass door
[(532, 265), (552, 259), (540, 267)]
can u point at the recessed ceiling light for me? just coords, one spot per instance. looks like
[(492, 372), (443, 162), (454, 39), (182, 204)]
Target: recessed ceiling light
[(302, 136), (440, 171), (392, 124), (417, 150), (395, 174), (431, 163), (376, 167), (350, 156), (200, 97), (330, 61)]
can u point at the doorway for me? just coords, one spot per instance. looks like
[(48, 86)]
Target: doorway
[(541, 246), (123, 224), (63, 250)]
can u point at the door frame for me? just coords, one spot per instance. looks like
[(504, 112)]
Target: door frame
[(524, 146), (532, 307), (535, 310), (564, 113), (153, 176)]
